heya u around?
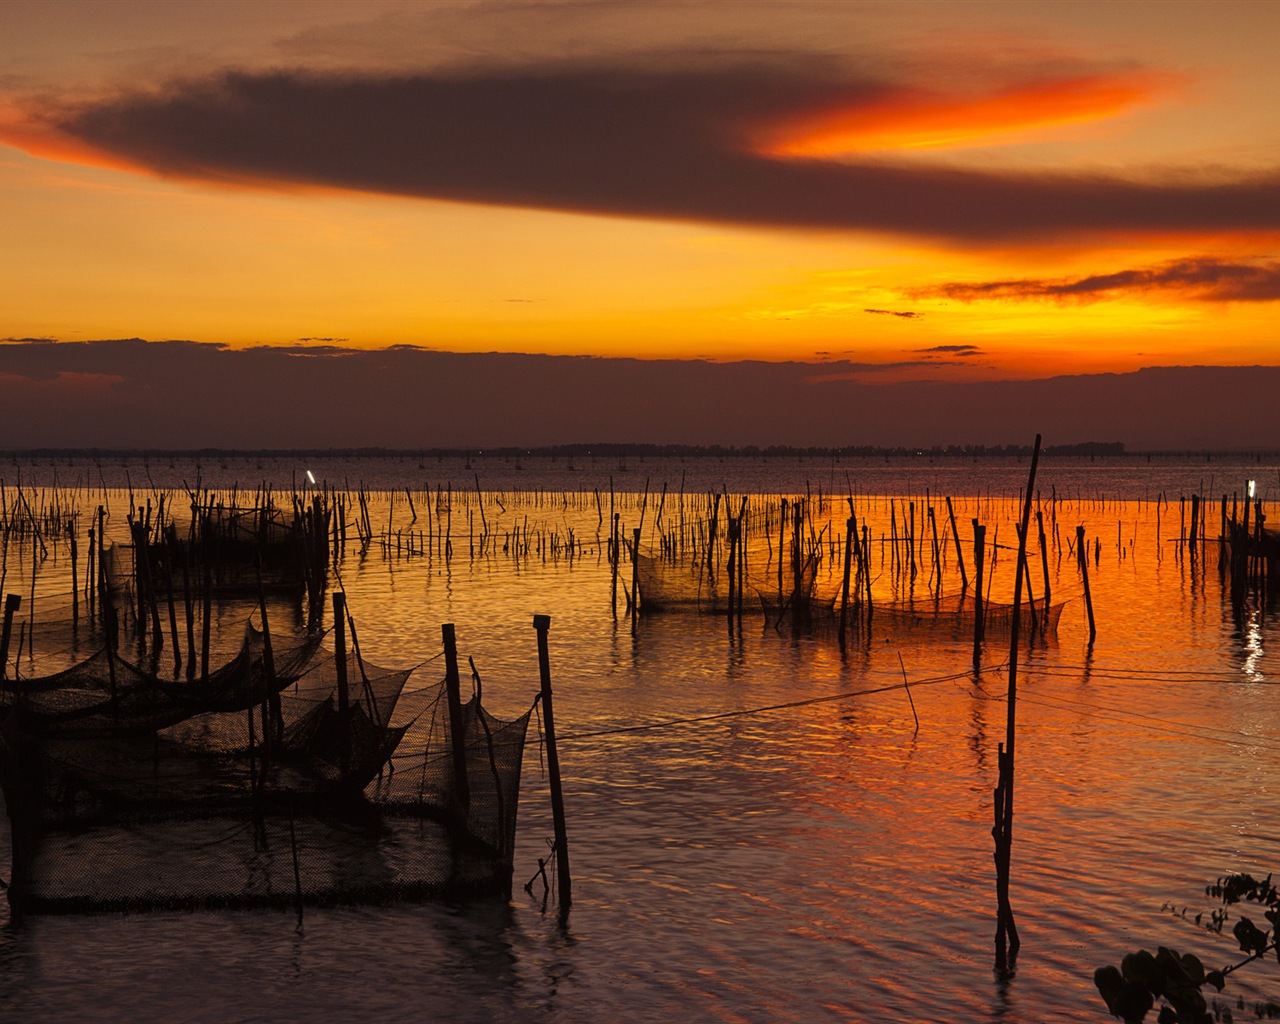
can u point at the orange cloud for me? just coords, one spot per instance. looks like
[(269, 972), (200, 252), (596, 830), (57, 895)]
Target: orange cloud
[(920, 119), (37, 137), (658, 144)]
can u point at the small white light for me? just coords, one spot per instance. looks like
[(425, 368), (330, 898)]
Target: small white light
[(1252, 486), (313, 480)]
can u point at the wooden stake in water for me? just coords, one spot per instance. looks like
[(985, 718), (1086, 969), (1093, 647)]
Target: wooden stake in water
[(457, 727), (979, 564), (955, 535), (1007, 941), (542, 623), (1084, 575), (12, 603)]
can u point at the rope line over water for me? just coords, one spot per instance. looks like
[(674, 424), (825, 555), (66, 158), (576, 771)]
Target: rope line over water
[(743, 712)]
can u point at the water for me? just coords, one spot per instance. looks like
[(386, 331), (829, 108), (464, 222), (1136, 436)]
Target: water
[(827, 861)]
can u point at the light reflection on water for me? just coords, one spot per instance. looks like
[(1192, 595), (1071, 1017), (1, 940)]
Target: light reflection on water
[(820, 862)]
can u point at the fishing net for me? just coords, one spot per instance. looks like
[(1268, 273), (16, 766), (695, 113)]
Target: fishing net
[(701, 588), (946, 617), (283, 776)]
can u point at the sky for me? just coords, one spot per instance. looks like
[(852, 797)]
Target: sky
[(915, 197)]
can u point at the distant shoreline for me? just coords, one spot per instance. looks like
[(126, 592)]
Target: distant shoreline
[(1105, 449)]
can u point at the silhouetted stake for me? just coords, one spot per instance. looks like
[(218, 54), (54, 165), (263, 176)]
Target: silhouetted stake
[(12, 603), (104, 599), (484, 523), (75, 589), (732, 569), (848, 566), (782, 541), (340, 651), (979, 563), (909, 530), (906, 685), (1084, 575), (1031, 597), (1007, 941), (1044, 561), (1222, 537), (542, 623), (742, 556), (937, 552), (344, 688), (272, 714), (173, 615), (457, 727), (955, 536), (142, 551), (613, 556), (90, 574), (866, 557), (635, 575)]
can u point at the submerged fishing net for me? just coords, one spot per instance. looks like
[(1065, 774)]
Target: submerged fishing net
[(696, 587), (946, 617), (282, 776)]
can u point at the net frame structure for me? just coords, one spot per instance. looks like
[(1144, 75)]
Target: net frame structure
[(288, 775)]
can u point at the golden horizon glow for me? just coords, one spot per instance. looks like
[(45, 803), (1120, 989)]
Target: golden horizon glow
[(99, 247)]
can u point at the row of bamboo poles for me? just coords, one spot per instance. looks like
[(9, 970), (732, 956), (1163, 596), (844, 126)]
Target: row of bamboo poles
[(757, 532)]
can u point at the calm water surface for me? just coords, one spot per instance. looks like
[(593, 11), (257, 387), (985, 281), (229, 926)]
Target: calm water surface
[(827, 861)]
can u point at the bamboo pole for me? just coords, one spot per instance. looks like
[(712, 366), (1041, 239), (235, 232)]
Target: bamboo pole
[(542, 623), (955, 536), (1084, 575), (1007, 940), (979, 563), (457, 727), (12, 603)]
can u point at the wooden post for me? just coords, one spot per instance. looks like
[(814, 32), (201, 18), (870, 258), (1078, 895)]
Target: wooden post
[(1044, 561), (848, 567), (635, 575), (937, 552), (457, 727), (340, 651), (90, 575), (955, 535), (909, 528), (782, 543), (542, 623), (1007, 941), (613, 559), (1084, 574), (733, 569), (75, 583), (272, 716), (12, 603), (979, 563)]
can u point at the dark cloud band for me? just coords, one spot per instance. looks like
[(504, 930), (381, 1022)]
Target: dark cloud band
[(655, 142)]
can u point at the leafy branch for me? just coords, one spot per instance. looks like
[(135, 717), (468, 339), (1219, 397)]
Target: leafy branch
[(1178, 980)]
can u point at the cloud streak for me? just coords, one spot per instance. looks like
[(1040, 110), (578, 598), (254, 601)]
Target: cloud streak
[(905, 314), (671, 140), (1202, 278)]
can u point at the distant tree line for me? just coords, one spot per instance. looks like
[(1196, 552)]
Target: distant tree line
[(599, 450)]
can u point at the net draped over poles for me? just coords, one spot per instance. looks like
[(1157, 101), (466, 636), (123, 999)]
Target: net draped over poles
[(798, 581), (251, 786)]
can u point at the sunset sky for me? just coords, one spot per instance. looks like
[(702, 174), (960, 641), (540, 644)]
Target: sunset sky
[(915, 191)]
